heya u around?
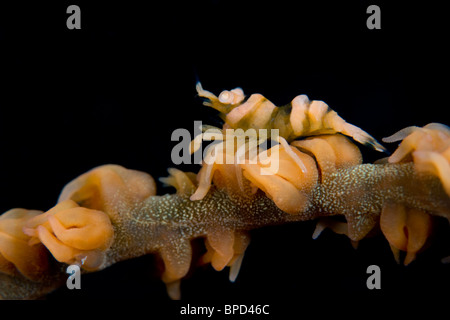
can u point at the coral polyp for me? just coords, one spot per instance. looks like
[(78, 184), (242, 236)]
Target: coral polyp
[(314, 171)]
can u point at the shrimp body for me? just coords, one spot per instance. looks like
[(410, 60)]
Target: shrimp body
[(300, 118)]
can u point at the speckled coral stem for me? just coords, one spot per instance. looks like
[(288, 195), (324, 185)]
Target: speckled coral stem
[(360, 192), (357, 193), (171, 221)]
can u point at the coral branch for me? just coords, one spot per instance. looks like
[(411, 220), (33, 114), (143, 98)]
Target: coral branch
[(111, 213)]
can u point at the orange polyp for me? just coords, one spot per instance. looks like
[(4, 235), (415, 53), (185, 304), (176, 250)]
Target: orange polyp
[(59, 250), (428, 148), (206, 258), (98, 188), (183, 182), (322, 151), (290, 171), (222, 241), (15, 252), (12, 221), (434, 163), (406, 229), (347, 153), (287, 185), (331, 152), (7, 266), (285, 195), (31, 261), (393, 223), (225, 248), (82, 228), (408, 145), (42, 219), (69, 231), (419, 229)]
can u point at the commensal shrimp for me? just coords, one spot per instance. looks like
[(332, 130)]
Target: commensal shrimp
[(315, 172)]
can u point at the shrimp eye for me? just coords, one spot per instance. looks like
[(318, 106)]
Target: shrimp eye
[(226, 97)]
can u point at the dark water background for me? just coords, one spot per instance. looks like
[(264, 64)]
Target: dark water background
[(114, 91)]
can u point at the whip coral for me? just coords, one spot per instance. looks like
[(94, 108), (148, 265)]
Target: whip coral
[(314, 171)]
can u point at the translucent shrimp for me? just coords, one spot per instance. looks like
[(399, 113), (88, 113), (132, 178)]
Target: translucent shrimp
[(300, 118)]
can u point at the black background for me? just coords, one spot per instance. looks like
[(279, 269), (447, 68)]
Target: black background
[(114, 91)]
